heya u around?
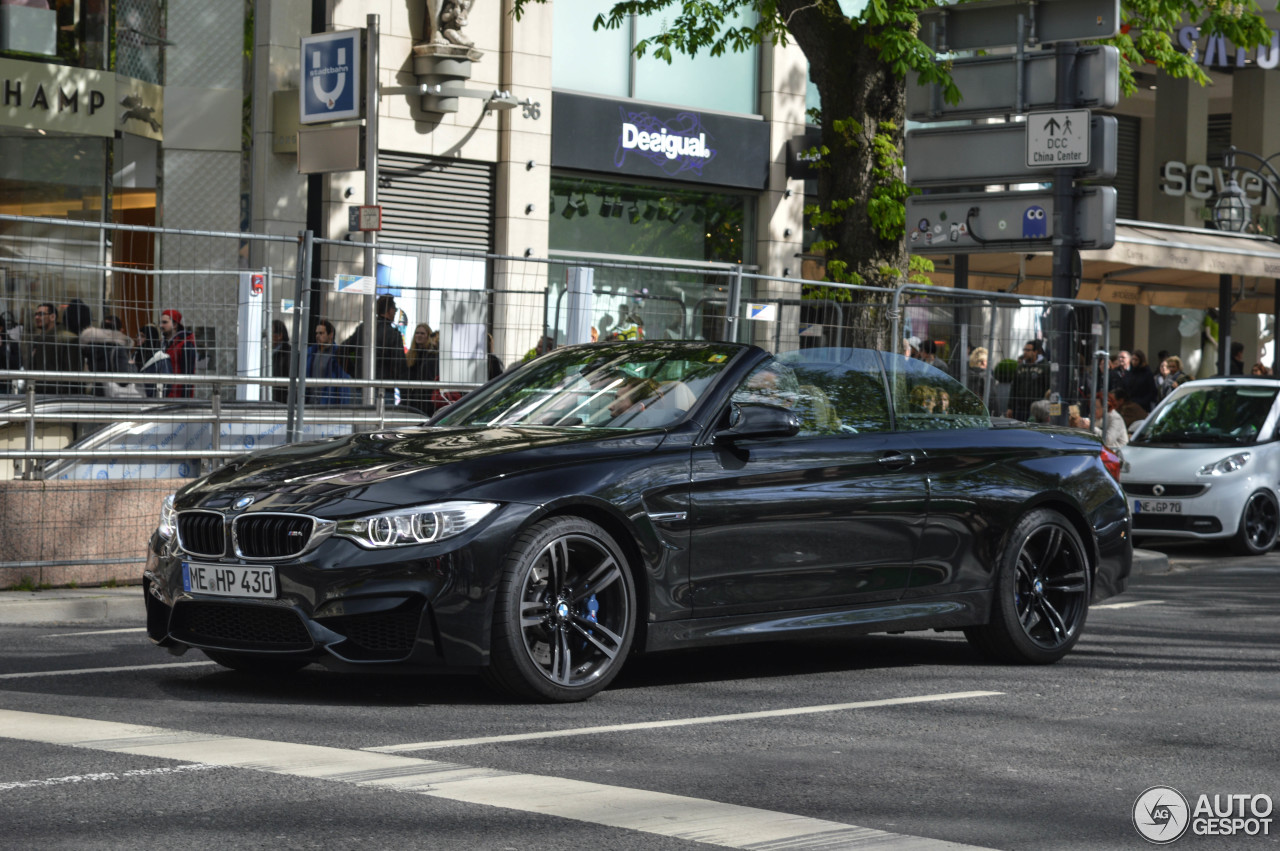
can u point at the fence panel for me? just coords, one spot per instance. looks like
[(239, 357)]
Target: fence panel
[(1028, 357)]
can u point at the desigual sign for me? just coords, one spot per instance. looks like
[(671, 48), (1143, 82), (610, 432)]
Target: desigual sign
[(57, 97), (647, 140)]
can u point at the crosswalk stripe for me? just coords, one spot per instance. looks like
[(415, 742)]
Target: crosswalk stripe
[(439, 744), (675, 816)]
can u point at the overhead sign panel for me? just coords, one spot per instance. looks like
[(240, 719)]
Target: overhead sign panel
[(994, 222), (997, 153), (330, 82), (995, 23), (989, 85)]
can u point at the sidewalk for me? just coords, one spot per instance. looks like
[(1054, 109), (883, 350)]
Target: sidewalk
[(98, 606), (124, 607)]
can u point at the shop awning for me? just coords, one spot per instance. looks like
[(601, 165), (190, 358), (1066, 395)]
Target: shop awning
[(1151, 264)]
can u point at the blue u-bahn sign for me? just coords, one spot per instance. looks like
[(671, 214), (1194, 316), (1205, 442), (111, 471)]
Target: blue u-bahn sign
[(330, 76)]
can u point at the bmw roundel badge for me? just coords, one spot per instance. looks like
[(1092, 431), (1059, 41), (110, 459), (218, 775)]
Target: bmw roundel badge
[(242, 503)]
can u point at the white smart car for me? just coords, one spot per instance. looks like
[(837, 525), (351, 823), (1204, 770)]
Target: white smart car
[(1206, 465)]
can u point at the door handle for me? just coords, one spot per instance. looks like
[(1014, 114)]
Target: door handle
[(897, 461)]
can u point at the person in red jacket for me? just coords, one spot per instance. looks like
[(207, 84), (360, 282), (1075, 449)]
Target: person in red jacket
[(180, 346)]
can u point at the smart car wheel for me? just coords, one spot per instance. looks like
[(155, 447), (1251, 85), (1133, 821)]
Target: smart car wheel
[(1259, 525), (564, 614), (1041, 595), (249, 663)]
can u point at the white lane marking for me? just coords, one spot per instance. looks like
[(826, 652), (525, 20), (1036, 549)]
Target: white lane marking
[(1131, 605), (676, 816), (104, 775), (95, 632), (680, 722), (32, 674)]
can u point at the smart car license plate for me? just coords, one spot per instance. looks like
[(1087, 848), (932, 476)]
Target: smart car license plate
[(1156, 506), (229, 580)]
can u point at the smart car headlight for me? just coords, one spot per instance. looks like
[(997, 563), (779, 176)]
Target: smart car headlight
[(1227, 465), (168, 519), (408, 526)]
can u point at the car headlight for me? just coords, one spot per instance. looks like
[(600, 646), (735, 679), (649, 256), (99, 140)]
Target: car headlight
[(168, 519), (408, 526), (1227, 465)]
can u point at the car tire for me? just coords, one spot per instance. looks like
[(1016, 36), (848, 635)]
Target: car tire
[(258, 666), (1259, 525), (1041, 596), (564, 613)]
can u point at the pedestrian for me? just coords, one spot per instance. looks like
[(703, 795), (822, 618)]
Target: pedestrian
[(493, 363), (388, 356), (104, 349), (1236, 366), (976, 380), (323, 362), (1170, 375), (929, 354), (1106, 423), (150, 358), (1120, 370), (281, 356), (1260, 369), (1142, 382), (180, 346), (423, 364), (1029, 382), (1130, 411), (52, 349), (10, 352)]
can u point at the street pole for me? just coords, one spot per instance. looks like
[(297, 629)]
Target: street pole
[(1064, 242), (370, 198)]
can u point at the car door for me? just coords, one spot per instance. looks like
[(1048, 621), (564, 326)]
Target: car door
[(829, 517), (971, 472)]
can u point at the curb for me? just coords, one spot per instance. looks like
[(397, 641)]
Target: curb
[(106, 606), (1149, 561)]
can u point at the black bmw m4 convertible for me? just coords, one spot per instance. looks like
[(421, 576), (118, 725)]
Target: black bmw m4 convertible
[(617, 498)]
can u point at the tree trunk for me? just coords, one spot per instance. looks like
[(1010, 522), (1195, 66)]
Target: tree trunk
[(854, 84)]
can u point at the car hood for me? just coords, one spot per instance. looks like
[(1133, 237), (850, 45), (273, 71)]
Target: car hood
[(375, 470), (1165, 464)]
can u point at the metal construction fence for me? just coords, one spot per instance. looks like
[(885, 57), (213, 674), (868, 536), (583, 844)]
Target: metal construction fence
[(89, 309), (92, 435)]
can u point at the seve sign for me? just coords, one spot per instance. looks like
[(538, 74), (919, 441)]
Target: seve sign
[(1058, 139)]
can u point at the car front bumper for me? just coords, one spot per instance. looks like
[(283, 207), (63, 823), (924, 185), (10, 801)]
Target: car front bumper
[(421, 607)]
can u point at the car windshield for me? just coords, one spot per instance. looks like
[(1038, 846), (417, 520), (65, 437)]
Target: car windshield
[(601, 385), (1215, 414)]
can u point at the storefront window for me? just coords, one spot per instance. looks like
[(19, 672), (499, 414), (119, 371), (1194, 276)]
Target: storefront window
[(656, 226)]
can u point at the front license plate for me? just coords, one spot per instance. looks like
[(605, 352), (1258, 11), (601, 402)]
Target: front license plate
[(1156, 506), (229, 580)]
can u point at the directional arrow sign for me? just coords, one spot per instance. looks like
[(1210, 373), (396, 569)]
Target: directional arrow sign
[(994, 23), (1058, 139), (995, 222), (989, 85), (997, 153)]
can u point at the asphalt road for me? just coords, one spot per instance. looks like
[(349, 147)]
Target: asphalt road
[(888, 742)]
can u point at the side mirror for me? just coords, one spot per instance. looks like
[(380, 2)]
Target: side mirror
[(756, 420)]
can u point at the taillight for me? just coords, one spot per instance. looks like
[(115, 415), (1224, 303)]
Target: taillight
[(1111, 461)]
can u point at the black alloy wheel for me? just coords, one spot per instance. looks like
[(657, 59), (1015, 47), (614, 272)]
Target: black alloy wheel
[(1259, 525), (257, 665), (1041, 595), (564, 615)]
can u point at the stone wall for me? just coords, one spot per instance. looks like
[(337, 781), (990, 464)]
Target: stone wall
[(62, 532)]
